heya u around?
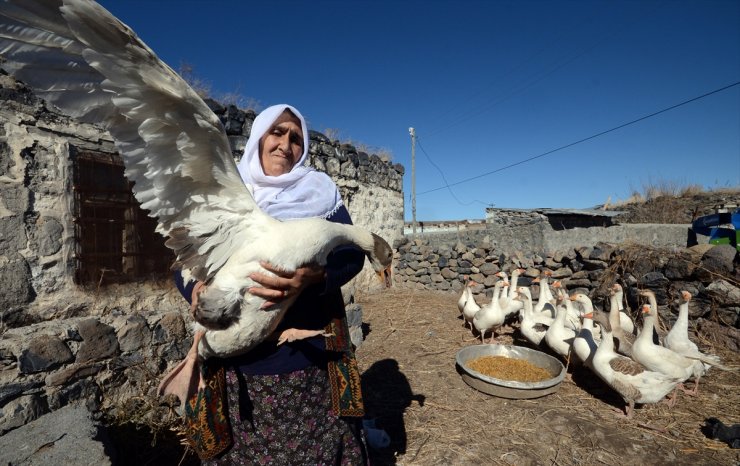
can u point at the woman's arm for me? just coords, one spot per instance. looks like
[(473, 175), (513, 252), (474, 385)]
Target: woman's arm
[(343, 262), (342, 265)]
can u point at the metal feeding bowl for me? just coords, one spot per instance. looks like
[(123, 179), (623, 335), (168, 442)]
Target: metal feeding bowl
[(510, 388)]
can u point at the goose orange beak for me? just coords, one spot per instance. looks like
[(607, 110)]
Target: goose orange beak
[(385, 277)]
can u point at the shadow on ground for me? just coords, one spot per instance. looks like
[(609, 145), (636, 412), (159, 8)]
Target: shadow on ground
[(387, 393)]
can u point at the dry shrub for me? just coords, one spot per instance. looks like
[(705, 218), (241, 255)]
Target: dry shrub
[(658, 207), (148, 421), (199, 85)]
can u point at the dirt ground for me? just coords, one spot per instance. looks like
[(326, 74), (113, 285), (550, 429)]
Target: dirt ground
[(411, 386)]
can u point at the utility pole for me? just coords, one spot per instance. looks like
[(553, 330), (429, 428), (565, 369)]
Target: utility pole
[(413, 181)]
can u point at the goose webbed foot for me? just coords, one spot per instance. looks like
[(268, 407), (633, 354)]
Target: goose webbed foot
[(293, 334), (692, 392), (671, 400), (184, 379), (629, 409)]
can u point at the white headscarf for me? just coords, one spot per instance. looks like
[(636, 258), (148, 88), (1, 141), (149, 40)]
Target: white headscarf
[(302, 192)]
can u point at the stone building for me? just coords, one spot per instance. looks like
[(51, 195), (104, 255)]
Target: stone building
[(559, 219)]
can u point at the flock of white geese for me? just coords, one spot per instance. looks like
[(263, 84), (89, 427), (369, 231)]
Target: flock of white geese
[(625, 357)]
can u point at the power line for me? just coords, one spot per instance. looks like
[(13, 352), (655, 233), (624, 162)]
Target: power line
[(584, 139), (447, 185)]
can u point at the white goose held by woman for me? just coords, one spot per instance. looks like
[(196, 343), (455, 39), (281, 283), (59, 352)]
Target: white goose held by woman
[(78, 56)]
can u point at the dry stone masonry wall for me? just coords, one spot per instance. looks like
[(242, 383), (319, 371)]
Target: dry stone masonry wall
[(710, 273)]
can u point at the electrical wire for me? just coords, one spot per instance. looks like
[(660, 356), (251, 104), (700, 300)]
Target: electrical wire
[(685, 102), (445, 180)]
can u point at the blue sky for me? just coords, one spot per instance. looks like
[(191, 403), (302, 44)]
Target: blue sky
[(486, 84)]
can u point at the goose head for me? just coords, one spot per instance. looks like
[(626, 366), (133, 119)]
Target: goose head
[(685, 296), (381, 259), (580, 298), (522, 293)]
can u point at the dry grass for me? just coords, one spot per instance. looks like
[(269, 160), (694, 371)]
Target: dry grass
[(336, 135), (204, 89), (413, 389), (148, 421), (655, 189), (673, 205)]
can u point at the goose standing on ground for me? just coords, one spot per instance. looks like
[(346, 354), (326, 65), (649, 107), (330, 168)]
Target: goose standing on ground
[(559, 337), (678, 337), (463, 297), (572, 315), (545, 299), (626, 322), (584, 344), (532, 325), (678, 340), (176, 153), (490, 316), (470, 308), (597, 316), (545, 281), (657, 358), (658, 330), (625, 339), (633, 382), (508, 304)]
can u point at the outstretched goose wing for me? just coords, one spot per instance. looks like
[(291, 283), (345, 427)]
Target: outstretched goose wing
[(78, 56)]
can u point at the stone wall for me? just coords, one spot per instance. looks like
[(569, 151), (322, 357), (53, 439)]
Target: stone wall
[(538, 237), (36, 224), (513, 217), (710, 273)]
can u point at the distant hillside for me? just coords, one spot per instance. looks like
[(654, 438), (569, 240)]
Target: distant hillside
[(677, 209)]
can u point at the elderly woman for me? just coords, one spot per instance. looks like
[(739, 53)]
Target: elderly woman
[(300, 402)]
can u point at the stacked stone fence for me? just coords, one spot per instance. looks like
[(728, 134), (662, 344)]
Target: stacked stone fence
[(539, 237), (710, 273)]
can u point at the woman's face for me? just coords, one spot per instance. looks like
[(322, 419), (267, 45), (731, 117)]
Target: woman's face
[(282, 145)]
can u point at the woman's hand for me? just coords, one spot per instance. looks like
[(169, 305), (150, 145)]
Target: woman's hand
[(284, 284)]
